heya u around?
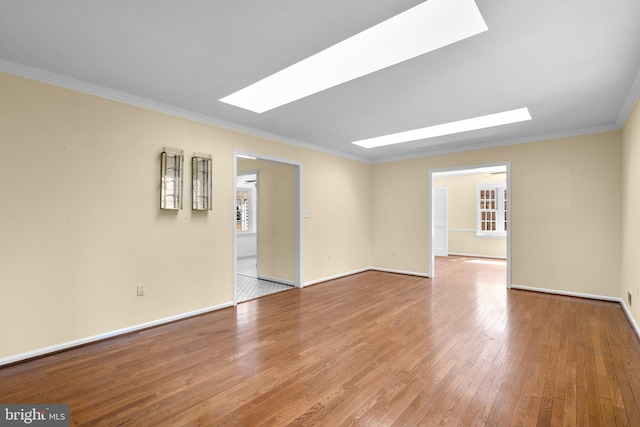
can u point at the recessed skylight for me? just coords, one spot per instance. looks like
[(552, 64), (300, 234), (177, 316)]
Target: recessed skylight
[(421, 29), (482, 122)]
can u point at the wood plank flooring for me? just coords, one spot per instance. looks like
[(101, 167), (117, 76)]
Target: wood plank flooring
[(373, 349)]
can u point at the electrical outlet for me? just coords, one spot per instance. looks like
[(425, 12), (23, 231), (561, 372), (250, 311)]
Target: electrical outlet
[(329, 257), (393, 253), (141, 289)]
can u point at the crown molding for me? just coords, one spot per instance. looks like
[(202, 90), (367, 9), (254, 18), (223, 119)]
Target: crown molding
[(630, 102), (71, 83)]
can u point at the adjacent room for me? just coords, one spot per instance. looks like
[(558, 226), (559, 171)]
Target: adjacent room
[(161, 160), (265, 228), (470, 211)]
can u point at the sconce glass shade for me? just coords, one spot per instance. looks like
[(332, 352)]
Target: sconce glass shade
[(201, 168), (171, 166)]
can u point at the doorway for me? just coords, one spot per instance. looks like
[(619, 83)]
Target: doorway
[(267, 228), (469, 214), (247, 223), (440, 221)]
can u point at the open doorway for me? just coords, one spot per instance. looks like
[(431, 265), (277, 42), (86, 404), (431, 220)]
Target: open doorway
[(469, 216), (247, 224), (267, 226)]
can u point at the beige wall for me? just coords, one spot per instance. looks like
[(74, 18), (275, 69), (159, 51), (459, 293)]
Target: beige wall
[(565, 197), (461, 192), (631, 212), (276, 220), (81, 224)]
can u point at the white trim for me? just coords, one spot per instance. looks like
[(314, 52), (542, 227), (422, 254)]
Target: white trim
[(565, 293), (66, 82), (464, 169), (633, 322), (509, 224), (336, 276), (620, 301), (281, 281), (100, 337), (630, 101), (297, 216), (444, 250), (235, 234), (409, 273), (432, 172), (478, 256)]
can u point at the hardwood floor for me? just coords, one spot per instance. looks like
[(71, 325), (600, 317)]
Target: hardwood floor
[(372, 349)]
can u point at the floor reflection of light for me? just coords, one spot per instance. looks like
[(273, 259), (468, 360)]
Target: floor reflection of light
[(492, 294), (487, 262)]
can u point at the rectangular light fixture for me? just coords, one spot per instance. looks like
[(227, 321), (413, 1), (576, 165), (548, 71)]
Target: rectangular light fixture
[(171, 167), (202, 178), (482, 122), (421, 29)]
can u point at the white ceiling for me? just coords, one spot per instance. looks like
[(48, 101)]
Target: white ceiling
[(574, 63)]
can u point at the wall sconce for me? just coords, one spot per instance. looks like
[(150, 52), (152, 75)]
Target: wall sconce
[(201, 165), (171, 166)]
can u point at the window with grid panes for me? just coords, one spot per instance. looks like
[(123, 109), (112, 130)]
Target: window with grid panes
[(242, 210), (491, 208)]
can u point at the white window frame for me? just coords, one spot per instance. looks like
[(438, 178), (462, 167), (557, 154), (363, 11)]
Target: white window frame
[(251, 209), (501, 214)]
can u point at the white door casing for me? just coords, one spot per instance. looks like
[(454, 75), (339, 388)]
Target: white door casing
[(440, 222)]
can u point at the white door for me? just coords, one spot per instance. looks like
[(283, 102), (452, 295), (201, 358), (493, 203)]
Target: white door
[(440, 222)]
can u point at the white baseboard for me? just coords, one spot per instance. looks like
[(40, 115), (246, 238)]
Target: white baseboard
[(632, 321), (336, 276), (477, 256), (59, 347), (273, 279), (409, 273), (70, 344), (566, 293)]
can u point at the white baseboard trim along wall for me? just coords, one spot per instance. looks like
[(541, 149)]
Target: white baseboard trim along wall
[(478, 256), (409, 273), (362, 270), (275, 280), (620, 301), (335, 276), (94, 338), (100, 337)]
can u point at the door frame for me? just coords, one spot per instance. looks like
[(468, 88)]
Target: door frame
[(253, 209), (446, 195), (297, 215), (507, 165)]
